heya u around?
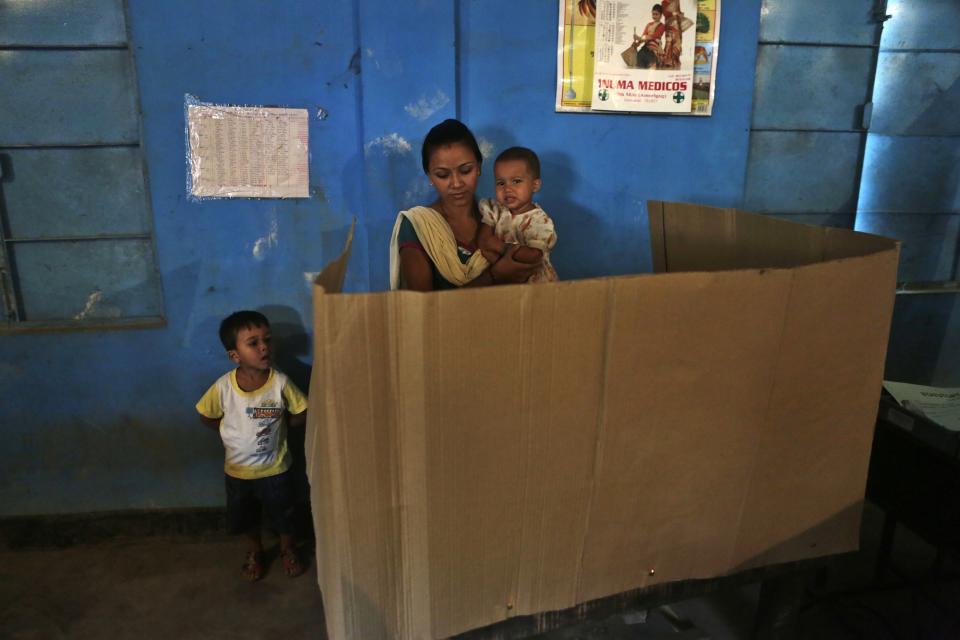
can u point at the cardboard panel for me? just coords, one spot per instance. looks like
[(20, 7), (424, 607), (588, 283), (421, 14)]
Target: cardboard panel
[(484, 453), (808, 483), (353, 468), (690, 362), (699, 238)]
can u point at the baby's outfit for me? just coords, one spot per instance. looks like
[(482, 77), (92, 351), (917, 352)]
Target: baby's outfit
[(531, 229)]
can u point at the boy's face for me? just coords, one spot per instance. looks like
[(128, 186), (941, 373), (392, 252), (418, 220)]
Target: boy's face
[(253, 348), (515, 185)]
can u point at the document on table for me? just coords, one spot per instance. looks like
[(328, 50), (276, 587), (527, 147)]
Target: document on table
[(247, 152), (940, 404)]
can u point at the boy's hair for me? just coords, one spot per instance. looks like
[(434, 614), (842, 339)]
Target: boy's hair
[(521, 153), (236, 321), (448, 132)]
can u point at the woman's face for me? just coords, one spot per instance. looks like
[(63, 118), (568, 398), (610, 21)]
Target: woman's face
[(453, 171)]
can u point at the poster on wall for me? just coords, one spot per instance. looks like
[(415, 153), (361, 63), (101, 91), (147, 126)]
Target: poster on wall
[(636, 56), (578, 19), (705, 55), (640, 61), (246, 152)]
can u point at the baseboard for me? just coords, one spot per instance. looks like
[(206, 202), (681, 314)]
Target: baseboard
[(20, 532)]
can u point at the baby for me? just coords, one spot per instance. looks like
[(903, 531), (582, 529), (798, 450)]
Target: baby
[(513, 218)]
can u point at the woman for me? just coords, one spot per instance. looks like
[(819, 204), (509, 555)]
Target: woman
[(435, 247), (648, 52), (675, 24)]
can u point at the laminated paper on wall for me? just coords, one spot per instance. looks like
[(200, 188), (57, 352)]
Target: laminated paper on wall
[(486, 453)]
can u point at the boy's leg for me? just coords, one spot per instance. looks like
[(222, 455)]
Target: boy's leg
[(276, 494), (243, 517)]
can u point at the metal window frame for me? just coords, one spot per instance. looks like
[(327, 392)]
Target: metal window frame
[(10, 293)]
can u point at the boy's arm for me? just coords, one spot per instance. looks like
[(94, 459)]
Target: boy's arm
[(297, 419), (209, 408), (213, 423), (296, 405)]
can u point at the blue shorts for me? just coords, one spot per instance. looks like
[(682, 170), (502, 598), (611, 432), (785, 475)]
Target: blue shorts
[(248, 501)]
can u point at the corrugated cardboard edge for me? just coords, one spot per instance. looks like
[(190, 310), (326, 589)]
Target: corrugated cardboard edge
[(326, 479), (332, 277), (692, 237)]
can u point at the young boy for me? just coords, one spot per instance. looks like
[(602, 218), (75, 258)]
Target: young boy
[(514, 218), (251, 407)]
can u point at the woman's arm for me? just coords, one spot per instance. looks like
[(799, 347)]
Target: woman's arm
[(415, 271), (417, 274), (506, 270)]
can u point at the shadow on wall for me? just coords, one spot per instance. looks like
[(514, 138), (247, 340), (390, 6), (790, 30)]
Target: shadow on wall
[(580, 232), (292, 348)]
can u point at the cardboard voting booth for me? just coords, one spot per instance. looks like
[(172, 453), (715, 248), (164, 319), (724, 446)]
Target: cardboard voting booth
[(485, 453)]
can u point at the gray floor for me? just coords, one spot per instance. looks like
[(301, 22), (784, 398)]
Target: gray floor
[(179, 586)]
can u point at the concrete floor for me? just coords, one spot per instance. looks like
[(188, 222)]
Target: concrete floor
[(188, 586)]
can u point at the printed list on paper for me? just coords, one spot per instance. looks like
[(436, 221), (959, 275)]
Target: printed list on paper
[(248, 152)]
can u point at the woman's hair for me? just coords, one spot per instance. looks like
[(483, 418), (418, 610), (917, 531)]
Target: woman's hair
[(446, 133), (658, 8)]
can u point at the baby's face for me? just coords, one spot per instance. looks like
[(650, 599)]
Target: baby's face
[(515, 185)]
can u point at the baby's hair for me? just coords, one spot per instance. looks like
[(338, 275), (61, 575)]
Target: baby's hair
[(657, 7), (522, 153), (448, 132), (236, 321)]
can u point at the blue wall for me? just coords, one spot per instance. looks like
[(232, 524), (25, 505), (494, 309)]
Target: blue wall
[(105, 420)]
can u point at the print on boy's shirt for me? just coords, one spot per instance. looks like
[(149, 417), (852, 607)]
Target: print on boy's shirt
[(257, 413)]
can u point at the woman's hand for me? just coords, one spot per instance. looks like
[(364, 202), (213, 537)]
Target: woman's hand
[(508, 270)]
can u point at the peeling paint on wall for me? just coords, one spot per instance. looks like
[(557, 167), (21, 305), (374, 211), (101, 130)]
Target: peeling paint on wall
[(486, 148), (426, 107), (309, 277), (390, 144), (267, 242), (94, 308), (372, 56), (419, 191)]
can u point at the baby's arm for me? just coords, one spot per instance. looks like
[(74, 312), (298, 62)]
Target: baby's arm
[(490, 245), (528, 255), (537, 233)]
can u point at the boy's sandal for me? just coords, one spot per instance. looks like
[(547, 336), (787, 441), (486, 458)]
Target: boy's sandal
[(291, 563), (253, 566)]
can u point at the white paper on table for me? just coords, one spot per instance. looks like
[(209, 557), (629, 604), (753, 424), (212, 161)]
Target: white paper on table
[(248, 152), (940, 404)]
